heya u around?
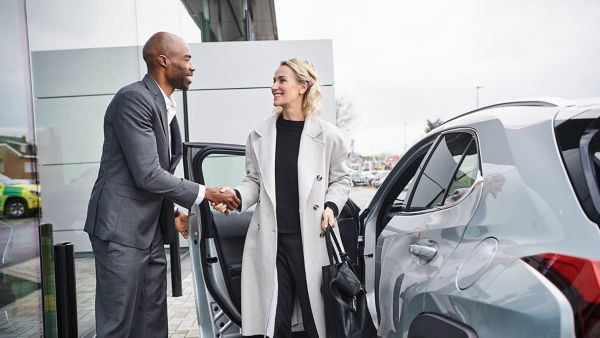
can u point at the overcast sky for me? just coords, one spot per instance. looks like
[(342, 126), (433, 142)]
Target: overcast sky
[(405, 61)]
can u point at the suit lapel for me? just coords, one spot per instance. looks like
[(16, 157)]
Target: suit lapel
[(160, 103), (309, 158), (264, 147)]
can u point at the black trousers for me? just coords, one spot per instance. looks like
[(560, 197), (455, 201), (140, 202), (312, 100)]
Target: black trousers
[(291, 280)]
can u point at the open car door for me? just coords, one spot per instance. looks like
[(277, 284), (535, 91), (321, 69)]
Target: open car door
[(217, 240)]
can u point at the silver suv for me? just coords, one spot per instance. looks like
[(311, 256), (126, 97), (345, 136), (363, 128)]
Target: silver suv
[(487, 227)]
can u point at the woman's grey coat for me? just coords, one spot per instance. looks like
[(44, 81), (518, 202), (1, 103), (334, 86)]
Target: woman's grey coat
[(322, 176)]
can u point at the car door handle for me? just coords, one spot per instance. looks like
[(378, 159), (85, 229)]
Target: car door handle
[(424, 249)]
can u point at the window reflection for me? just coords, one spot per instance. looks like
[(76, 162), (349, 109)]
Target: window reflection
[(20, 279)]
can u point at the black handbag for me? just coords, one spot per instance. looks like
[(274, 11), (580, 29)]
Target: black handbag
[(345, 298)]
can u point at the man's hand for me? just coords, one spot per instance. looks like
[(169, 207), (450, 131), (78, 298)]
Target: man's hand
[(181, 224), (222, 207), (225, 196), (328, 219)]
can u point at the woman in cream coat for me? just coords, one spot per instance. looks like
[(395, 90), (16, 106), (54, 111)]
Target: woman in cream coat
[(284, 250)]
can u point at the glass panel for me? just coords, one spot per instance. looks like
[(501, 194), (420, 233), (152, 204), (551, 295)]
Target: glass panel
[(224, 170), (465, 175), (436, 176), (20, 282)]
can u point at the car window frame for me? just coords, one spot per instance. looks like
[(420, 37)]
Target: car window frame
[(425, 162)]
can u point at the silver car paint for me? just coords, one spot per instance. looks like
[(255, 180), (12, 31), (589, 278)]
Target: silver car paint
[(527, 204)]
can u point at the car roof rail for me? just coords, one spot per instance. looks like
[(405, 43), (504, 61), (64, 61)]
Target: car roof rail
[(534, 102)]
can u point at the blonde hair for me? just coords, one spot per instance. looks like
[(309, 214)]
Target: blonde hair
[(306, 72)]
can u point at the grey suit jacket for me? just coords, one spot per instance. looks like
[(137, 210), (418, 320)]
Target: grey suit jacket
[(135, 175)]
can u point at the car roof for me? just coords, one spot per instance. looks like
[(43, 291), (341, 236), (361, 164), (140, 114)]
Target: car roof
[(550, 102)]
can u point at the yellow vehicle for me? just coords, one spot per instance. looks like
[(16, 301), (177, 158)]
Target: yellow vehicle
[(18, 198)]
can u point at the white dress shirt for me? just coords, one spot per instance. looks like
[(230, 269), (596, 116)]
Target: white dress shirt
[(171, 105)]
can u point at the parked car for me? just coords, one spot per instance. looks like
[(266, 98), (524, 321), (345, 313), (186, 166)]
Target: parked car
[(358, 179), (379, 178), (18, 197), (487, 227)]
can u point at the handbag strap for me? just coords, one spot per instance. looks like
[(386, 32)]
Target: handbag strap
[(343, 255), (330, 250)]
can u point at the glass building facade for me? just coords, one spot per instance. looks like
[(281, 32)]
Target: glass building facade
[(64, 60), (61, 63)]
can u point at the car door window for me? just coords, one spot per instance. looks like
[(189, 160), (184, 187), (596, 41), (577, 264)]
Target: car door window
[(465, 175), (224, 170), (440, 173)]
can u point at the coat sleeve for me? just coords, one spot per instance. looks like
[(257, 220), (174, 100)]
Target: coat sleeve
[(134, 132), (249, 189), (339, 175)]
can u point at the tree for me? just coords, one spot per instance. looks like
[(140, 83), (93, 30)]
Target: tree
[(431, 125), (345, 117)]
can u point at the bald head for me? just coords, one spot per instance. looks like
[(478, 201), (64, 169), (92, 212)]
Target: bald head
[(168, 60), (161, 43)]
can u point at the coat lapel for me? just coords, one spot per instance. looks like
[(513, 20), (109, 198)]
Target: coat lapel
[(309, 159), (264, 148)]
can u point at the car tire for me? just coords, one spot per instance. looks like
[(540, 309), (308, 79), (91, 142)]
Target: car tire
[(15, 208)]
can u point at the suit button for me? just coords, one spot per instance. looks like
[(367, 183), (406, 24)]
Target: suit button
[(316, 207), (319, 177)]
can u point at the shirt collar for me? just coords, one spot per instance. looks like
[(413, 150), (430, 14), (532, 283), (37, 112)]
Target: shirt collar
[(169, 101)]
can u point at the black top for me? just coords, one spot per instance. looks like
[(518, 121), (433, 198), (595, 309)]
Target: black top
[(286, 174)]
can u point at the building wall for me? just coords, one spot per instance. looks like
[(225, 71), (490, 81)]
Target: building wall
[(16, 166)]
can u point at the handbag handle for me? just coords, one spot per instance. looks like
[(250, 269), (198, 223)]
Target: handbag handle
[(330, 250), (333, 256), (343, 257)]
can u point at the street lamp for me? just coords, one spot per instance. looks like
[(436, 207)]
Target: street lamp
[(477, 95), (404, 136)]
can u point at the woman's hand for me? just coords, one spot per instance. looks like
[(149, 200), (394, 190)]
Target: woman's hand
[(328, 219)]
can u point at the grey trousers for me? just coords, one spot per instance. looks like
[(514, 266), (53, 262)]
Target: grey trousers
[(131, 289)]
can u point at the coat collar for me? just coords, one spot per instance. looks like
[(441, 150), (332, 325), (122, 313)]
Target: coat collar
[(309, 155), (312, 126), (159, 101)]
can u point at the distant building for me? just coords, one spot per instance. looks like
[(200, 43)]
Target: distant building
[(355, 161), (17, 158), (391, 161)]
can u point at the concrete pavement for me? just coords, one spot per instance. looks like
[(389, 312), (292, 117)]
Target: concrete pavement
[(182, 310), (23, 318)]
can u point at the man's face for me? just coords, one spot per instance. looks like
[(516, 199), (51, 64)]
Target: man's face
[(180, 68)]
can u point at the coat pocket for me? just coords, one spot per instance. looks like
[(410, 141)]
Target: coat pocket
[(134, 193)]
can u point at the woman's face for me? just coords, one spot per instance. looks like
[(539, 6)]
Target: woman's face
[(286, 89)]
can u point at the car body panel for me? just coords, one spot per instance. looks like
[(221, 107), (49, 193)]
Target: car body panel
[(527, 206)]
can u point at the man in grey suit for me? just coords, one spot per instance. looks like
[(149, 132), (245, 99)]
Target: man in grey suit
[(130, 213)]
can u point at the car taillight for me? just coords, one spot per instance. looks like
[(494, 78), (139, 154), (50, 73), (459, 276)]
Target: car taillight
[(579, 280)]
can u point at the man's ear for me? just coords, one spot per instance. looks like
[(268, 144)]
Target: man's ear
[(163, 60)]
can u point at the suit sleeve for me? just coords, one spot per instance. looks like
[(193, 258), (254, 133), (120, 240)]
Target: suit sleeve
[(249, 189), (133, 125), (339, 175)]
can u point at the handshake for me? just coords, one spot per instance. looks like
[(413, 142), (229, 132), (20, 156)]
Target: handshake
[(222, 198)]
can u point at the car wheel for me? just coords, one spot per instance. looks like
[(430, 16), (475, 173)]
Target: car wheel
[(15, 208)]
